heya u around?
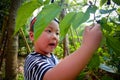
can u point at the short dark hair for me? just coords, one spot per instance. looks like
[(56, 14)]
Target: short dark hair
[(34, 20)]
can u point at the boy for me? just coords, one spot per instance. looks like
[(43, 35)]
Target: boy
[(43, 65)]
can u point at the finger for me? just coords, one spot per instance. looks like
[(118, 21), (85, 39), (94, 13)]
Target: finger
[(96, 26), (87, 28), (91, 27)]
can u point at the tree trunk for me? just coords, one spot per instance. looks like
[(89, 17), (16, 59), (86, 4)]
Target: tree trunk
[(65, 41), (3, 40), (12, 44), (65, 46)]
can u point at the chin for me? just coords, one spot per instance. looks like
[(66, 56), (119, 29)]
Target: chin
[(50, 51), (47, 52)]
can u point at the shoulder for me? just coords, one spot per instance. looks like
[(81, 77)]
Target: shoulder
[(33, 58), (36, 65)]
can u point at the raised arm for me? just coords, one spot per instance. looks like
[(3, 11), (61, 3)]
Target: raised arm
[(72, 65)]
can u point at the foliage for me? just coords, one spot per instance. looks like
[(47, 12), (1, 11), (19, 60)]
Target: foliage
[(104, 12), (28, 7), (20, 76), (4, 5), (66, 23), (106, 78), (59, 51)]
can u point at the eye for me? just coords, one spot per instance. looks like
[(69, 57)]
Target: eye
[(57, 33), (48, 31)]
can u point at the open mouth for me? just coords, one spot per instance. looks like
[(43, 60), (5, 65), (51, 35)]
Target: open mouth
[(52, 44)]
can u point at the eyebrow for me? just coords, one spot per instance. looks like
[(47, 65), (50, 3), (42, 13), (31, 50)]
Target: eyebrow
[(52, 28)]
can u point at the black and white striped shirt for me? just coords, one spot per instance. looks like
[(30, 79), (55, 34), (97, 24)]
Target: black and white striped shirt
[(36, 65)]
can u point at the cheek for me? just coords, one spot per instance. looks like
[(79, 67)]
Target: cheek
[(58, 39), (41, 42), (44, 39)]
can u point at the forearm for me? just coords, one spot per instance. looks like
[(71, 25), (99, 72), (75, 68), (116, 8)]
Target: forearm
[(71, 66)]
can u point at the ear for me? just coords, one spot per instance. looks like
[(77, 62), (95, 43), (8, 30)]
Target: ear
[(31, 36)]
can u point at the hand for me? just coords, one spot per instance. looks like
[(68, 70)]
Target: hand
[(92, 36)]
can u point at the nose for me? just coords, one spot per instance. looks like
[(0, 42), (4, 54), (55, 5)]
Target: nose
[(55, 36)]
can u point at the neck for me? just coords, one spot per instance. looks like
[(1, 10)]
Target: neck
[(43, 53)]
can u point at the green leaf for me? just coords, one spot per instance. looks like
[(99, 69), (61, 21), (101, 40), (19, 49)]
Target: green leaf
[(41, 1), (24, 12), (44, 1), (113, 43), (81, 76), (66, 23), (81, 18), (106, 25), (102, 2), (94, 62), (48, 13), (118, 10), (116, 1), (78, 20), (107, 11), (47, 2), (103, 23), (92, 9), (106, 78)]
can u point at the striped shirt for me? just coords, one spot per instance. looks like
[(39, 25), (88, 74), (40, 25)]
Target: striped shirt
[(36, 65)]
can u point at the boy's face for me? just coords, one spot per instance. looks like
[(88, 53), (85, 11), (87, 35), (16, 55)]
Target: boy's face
[(48, 40)]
